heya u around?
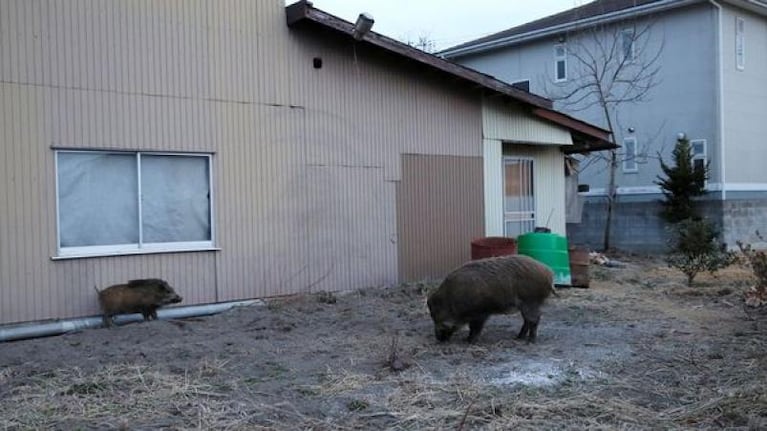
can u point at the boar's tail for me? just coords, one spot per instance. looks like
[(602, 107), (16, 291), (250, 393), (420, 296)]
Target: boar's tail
[(96, 289)]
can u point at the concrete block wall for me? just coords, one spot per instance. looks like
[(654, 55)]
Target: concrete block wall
[(743, 217), (637, 225)]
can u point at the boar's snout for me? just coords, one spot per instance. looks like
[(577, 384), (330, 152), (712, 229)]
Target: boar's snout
[(175, 299), (169, 295), (443, 332)]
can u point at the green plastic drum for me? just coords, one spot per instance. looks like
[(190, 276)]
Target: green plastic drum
[(549, 249)]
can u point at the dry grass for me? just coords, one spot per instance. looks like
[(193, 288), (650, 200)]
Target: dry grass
[(116, 397), (694, 364), (113, 397)]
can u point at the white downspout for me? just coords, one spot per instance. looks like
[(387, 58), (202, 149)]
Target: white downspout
[(720, 72), (33, 330)]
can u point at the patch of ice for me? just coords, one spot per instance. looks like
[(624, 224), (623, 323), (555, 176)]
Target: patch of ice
[(537, 373), (532, 374)]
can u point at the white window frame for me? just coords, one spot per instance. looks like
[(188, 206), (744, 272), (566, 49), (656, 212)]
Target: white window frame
[(140, 247), (740, 43), (631, 34), (699, 156), (560, 58), (630, 158)]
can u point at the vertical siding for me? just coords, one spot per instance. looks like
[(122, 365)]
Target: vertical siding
[(492, 165), (440, 209), (510, 123), (306, 162)]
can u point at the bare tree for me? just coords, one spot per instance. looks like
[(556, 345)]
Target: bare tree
[(610, 66), (424, 43)]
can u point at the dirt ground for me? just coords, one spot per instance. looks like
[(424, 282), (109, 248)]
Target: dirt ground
[(637, 350)]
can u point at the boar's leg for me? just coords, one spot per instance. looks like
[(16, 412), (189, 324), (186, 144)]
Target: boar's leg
[(153, 313), (146, 312), (107, 319), (475, 327), (532, 315), (523, 332)]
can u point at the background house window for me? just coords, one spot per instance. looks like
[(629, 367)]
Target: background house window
[(630, 155), (522, 85), (740, 43), (128, 202), (627, 45), (698, 150), (518, 196), (560, 61)]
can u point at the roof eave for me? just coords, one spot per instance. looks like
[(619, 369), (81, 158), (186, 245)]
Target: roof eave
[(302, 11), (558, 29), (586, 137)]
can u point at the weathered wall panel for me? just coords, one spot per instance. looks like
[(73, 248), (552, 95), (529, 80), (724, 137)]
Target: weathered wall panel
[(305, 161), (492, 161), (440, 209), (507, 122)]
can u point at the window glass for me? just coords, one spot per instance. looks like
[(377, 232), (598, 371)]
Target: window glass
[(740, 43), (630, 155), (560, 63), (120, 202), (174, 198), (97, 199), (627, 44), (698, 150)]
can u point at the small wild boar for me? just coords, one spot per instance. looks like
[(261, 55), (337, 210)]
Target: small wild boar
[(143, 296), (474, 291)]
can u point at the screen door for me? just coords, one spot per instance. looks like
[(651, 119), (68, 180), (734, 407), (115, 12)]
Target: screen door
[(518, 196)]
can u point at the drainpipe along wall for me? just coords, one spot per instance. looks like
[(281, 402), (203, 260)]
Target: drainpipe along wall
[(720, 97), (34, 330)]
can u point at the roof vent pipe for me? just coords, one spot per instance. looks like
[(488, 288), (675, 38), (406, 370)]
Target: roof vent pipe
[(363, 25)]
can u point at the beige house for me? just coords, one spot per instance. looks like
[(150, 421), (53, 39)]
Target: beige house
[(211, 144)]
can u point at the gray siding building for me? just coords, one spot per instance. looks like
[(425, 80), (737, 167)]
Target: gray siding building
[(709, 61)]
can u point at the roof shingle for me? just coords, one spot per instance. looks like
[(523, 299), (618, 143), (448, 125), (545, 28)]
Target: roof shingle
[(589, 10)]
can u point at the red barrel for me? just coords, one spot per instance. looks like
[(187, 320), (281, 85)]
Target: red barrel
[(579, 266), (491, 246)]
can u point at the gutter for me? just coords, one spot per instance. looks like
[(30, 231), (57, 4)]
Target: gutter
[(34, 330), (585, 22), (720, 97)]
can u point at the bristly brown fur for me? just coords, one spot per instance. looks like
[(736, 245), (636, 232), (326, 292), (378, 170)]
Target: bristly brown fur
[(143, 296), (474, 291)]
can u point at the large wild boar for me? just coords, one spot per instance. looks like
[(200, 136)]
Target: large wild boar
[(143, 296), (474, 291)]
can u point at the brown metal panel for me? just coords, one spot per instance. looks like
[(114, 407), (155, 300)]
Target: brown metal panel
[(440, 209)]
